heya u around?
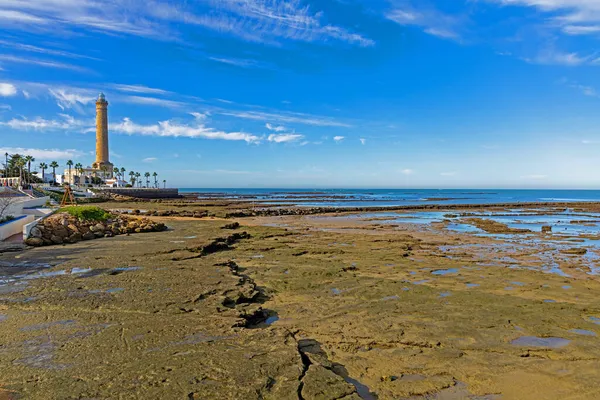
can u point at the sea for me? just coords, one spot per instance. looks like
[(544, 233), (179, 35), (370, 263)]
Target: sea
[(395, 197)]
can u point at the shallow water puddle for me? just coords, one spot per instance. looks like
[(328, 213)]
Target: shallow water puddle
[(47, 325), (472, 285), (595, 320), (445, 294), (442, 272), (534, 341), (583, 332), (271, 320), (395, 297)]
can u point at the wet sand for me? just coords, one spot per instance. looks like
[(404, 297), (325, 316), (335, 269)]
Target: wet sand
[(304, 307)]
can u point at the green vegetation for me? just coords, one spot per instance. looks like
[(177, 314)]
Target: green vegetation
[(6, 219), (87, 213)]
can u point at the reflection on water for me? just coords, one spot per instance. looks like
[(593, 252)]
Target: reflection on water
[(534, 341)]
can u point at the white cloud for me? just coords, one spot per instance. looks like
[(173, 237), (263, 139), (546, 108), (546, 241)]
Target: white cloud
[(285, 138), (173, 129), (7, 90), (149, 159), (363, 141), (429, 19), (242, 62), (42, 50), (407, 171), (26, 94), (154, 101), (67, 99), (43, 154), (338, 138), (555, 57), (299, 118), (264, 21), (5, 58), (5, 107), (275, 128), (42, 124), (534, 177), (139, 89)]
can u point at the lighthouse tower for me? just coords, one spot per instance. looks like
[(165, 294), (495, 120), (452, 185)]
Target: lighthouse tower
[(102, 159)]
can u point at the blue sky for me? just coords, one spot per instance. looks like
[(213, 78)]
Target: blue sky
[(311, 93)]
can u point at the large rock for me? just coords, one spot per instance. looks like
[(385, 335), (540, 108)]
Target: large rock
[(73, 229), (36, 233), (321, 383), (88, 236), (34, 241), (57, 239)]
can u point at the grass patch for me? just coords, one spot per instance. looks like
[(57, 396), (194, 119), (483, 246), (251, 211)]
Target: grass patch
[(87, 213)]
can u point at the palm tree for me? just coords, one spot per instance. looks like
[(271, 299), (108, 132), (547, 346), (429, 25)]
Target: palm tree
[(78, 171), (132, 178), (154, 174), (117, 172), (137, 178), (70, 164), (20, 164), (164, 183), (6, 165), (29, 160), (147, 175), (123, 173), (43, 167), (104, 169), (54, 165)]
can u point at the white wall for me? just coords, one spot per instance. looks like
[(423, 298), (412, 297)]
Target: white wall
[(14, 227)]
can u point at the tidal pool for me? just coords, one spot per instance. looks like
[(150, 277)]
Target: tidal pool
[(534, 341)]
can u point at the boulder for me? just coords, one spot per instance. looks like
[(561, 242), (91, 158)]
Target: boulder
[(36, 233), (99, 234), (73, 229), (61, 232), (34, 241), (75, 237), (57, 239), (88, 236)]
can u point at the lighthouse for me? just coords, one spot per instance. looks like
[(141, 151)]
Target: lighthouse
[(102, 158)]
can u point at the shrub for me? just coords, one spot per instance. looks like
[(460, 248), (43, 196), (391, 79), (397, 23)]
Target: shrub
[(87, 213), (6, 219)]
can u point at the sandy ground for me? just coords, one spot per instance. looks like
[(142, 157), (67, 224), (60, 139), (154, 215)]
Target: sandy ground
[(304, 308)]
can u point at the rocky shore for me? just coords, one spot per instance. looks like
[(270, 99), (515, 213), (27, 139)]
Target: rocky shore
[(64, 228)]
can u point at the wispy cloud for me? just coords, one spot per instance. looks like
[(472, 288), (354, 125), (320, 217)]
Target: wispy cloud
[(153, 101), (265, 21), (43, 154), (425, 16), (139, 89), (7, 90), (407, 171), (338, 139), (174, 129), (299, 118), (275, 128), (363, 141), (41, 50), (285, 137), (69, 98), (242, 62), (534, 177), (5, 58), (41, 124), (149, 159)]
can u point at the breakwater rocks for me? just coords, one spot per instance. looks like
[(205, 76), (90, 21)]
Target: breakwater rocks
[(64, 228), (172, 213)]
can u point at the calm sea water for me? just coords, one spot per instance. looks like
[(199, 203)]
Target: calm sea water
[(396, 197)]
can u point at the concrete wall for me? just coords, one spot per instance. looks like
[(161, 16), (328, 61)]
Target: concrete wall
[(14, 227), (29, 226), (145, 193)]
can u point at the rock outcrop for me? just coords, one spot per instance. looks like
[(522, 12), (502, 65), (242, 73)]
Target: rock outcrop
[(64, 228)]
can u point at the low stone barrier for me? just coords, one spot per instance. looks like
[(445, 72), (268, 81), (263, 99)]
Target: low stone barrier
[(144, 193), (64, 228)]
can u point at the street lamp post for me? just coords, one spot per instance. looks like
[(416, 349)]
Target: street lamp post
[(6, 165)]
